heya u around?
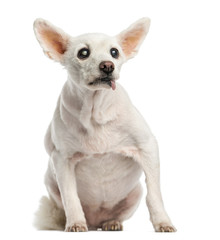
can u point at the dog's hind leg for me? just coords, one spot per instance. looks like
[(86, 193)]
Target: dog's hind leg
[(50, 215), (123, 210)]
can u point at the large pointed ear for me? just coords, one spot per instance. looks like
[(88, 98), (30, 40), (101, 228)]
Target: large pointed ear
[(131, 38), (52, 39)]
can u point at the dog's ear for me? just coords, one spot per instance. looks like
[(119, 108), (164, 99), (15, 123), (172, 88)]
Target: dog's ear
[(131, 38), (52, 39)]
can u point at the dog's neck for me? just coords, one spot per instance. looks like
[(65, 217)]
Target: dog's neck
[(91, 108)]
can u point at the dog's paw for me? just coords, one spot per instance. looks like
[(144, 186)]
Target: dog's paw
[(77, 227), (163, 227), (112, 226)]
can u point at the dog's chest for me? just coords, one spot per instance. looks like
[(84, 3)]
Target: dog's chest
[(95, 125), (103, 139)]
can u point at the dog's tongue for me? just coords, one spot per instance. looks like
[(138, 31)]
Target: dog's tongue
[(113, 85)]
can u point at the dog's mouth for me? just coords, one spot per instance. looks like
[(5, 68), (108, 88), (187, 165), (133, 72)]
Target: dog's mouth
[(105, 80)]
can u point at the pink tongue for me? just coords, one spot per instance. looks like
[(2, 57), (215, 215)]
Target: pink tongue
[(113, 84)]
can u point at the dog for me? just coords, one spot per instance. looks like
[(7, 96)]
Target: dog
[(98, 143)]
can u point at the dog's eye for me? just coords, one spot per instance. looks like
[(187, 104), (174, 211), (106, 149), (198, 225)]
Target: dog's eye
[(114, 52), (83, 53)]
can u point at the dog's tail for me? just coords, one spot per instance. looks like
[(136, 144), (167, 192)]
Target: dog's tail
[(49, 216)]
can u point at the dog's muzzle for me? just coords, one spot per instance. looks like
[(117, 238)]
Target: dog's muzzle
[(104, 80), (106, 68)]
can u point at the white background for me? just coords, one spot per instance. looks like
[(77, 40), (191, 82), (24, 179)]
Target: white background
[(174, 82)]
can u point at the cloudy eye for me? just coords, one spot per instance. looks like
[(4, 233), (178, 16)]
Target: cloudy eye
[(114, 52), (83, 53)]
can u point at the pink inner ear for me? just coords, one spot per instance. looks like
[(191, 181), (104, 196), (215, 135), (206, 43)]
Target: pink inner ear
[(54, 40), (131, 41)]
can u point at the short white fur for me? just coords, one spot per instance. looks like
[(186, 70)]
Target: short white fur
[(98, 143)]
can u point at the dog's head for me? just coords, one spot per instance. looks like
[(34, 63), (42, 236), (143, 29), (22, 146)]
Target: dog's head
[(92, 60)]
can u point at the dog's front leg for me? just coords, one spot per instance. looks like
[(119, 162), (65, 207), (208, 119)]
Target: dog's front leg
[(65, 175), (151, 166), (148, 158)]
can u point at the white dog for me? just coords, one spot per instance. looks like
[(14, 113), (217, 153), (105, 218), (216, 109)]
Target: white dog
[(98, 142)]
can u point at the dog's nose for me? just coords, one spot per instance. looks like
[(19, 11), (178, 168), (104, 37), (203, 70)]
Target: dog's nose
[(107, 67)]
